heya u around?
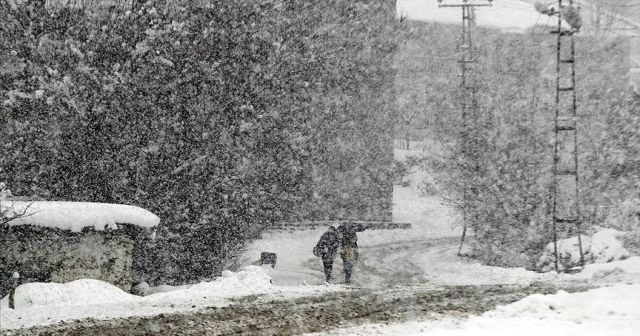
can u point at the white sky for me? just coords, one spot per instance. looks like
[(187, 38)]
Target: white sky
[(508, 15)]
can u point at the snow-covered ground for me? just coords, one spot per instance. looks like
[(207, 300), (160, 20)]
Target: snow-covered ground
[(50, 303), (427, 253), (429, 218), (603, 246), (603, 311), (611, 310)]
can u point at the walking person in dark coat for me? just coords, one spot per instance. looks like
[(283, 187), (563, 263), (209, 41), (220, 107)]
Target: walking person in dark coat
[(327, 248), (349, 247)]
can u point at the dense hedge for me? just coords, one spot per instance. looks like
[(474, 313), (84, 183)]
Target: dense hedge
[(221, 119)]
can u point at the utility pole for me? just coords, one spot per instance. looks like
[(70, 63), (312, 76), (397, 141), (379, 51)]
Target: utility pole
[(566, 195), (469, 101)]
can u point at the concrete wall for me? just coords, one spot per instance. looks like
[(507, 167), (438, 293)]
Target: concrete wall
[(59, 256)]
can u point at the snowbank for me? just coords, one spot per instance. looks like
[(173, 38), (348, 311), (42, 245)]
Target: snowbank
[(143, 289), (602, 311), (629, 267), (49, 303), (250, 280), (604, 246), (75, 216), (74, 293)]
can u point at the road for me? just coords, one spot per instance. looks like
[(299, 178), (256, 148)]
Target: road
[(390, 285), (257, 315)]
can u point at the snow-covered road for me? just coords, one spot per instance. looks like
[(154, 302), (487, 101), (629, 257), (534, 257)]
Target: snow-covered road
[(607, 311), (282, 314)]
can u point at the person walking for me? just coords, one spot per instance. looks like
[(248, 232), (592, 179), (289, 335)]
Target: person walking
[(349, 247), (327, 248)]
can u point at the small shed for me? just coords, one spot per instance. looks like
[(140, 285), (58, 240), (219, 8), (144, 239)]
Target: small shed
[(65, 241)]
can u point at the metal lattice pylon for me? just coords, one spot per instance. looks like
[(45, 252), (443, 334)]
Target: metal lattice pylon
[(469, 101), (566, 207)]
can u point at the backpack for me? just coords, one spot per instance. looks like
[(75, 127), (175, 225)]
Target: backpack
[(317, 251)]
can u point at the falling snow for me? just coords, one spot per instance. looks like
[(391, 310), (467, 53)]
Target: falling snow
[(338, 167)]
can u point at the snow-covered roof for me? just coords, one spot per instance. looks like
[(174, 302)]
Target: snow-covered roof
[(75, 216)]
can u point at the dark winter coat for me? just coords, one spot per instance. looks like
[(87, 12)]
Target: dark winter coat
[(349, 242), (349, 236), (327, 246)]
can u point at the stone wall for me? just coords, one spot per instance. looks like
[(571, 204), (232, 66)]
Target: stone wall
[(45, 255)]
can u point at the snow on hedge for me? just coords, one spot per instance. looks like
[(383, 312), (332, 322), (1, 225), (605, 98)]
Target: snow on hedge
[(75, 216), (49, 303), (603, 247)]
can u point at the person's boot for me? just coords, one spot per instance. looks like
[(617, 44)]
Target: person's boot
[(327, 275)]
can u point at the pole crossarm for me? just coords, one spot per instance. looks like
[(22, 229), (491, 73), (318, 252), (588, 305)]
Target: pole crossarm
[(465, 3)]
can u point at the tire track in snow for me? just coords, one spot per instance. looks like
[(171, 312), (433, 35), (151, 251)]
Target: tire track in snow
[(396, 263), (281, 316)]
